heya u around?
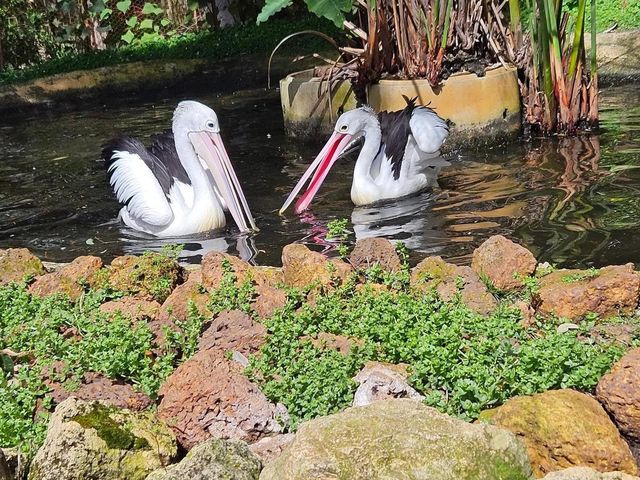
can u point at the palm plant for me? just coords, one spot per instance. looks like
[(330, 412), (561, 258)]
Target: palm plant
[(559, 88)]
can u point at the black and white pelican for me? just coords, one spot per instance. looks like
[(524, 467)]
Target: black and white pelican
[(397, 150), (183, 183)]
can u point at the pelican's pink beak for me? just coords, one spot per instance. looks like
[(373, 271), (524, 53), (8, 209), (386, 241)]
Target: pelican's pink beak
[(209, 147), (321, 166)]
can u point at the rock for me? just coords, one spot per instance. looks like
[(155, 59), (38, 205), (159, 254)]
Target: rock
[(375, 251), (213, 269), (449, 279), (134, 308), (16, 264), (572, 294), (233, 331), (586, 473), (379, 381), (88, 440), (208, 396), (502, 262), (213, 460), (69, 279), (268, 300), (619, 393), (176, 306), (267, 449), (151, 276), (528, 313), (11, 464), (398, 438), (564, 428), (303, 267), (97, 387)]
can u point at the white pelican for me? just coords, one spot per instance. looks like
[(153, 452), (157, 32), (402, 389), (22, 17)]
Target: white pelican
[(398, 147), (183, 183)]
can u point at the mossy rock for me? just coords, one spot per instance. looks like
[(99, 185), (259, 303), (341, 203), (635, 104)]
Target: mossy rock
[(214, 459), (562, 429), (399, 439), (88, 440), (16, 264), (151, 276)]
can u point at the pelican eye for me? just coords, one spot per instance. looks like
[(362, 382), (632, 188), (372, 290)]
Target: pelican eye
[(210, 125), (344, 128)]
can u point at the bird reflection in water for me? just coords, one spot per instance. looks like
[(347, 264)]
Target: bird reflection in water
[(196, 246)]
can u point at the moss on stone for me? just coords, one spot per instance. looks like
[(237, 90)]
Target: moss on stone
[(152, 275), (116, 436)]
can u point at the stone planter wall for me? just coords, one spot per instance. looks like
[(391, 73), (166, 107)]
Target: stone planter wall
[(481, 110)]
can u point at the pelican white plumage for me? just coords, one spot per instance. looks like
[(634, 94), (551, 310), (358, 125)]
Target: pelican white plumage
[(398, 147), (183, 183)]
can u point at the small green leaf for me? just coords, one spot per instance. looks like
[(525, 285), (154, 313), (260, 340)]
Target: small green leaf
[(97, 7), (146, 24), (150, 37), (333, 10), (151, 9), (271, 8), (6, 365), (164, 22), (105, 13), (123, 6), (132, 22), (128, 37)]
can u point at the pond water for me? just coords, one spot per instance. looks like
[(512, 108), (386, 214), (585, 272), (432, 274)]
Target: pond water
[(573, 201)]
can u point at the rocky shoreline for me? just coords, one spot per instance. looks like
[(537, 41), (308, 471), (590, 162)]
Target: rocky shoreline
[(222, 408)]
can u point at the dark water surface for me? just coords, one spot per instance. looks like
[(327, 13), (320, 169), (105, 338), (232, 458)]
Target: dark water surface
[(573, 202)]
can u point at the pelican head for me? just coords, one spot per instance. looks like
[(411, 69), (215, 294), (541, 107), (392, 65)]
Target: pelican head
[(199, 124), (195, 117), (349, 129)]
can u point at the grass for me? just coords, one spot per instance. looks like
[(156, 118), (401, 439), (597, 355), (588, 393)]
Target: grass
[(210, 45), (624, 13)]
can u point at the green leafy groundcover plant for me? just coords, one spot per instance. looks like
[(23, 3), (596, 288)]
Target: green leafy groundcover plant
[(84, 339), (461, 361), (212, 45)]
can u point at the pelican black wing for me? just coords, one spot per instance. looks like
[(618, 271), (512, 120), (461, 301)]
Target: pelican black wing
[(162, 158), (164, 148), (395, 134)]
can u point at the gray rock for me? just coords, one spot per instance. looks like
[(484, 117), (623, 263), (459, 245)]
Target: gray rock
[(399, 439), (267, 449), (213, 460), (379, 381), (88, 440)]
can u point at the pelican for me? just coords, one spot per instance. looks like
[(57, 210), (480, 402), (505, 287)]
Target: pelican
[(183, 183), (397, 150)]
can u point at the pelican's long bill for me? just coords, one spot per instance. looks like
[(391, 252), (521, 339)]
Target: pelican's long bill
[(319, 169), (210, 148)]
